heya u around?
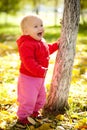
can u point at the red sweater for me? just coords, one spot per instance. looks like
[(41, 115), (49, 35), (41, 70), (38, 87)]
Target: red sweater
[(34, 56)]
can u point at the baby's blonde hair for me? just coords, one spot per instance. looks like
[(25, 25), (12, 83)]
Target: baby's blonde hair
[(25, 21)]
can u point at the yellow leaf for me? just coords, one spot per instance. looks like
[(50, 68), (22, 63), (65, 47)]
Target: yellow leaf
[(76, 126), (70, 120), (60, 117), (31, 120), (76, 72), (45, 126), (74, 116), (83, 129), (70, 100)]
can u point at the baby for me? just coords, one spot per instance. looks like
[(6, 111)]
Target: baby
[(34, 55)]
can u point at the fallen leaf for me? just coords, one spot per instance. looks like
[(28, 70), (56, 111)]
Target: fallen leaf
[(31, 120)]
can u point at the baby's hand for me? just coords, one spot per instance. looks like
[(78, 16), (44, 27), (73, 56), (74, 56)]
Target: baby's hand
[(59, 41), (61, 21)]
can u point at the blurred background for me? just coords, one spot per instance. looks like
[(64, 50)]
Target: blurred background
[(51, 11)]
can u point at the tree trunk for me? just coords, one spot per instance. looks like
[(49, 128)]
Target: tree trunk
[(58, 96), (36, 4)]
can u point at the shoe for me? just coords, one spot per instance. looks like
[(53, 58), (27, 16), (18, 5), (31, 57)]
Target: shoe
[(23, 121), (37, 115)]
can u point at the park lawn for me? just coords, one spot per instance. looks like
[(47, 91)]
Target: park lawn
[(76, 116)]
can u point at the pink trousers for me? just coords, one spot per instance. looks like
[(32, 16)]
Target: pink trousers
[(31, 95)]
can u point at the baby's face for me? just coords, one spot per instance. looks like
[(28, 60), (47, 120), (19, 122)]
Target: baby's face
[(35, 28)]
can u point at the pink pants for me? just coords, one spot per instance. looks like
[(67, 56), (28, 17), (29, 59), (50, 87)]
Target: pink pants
[(31, 95)]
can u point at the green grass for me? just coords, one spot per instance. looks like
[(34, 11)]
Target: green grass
[(82, 31)]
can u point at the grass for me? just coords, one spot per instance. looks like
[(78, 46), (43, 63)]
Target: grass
[(76, 117)]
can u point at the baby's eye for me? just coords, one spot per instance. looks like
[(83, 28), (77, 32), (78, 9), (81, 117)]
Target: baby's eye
[(35, 26), (41, 25)]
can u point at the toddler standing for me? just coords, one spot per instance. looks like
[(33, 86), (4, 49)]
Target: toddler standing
[(34, 55)]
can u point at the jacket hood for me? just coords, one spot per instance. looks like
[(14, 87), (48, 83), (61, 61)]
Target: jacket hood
[(24, 38), (21, 39)]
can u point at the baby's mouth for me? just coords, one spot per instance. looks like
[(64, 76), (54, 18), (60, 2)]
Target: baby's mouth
[(39, 34)]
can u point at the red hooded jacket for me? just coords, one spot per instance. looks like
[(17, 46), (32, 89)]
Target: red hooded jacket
[(34, 56)]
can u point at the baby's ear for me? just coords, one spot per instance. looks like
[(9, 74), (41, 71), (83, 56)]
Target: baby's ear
[(25, 32)]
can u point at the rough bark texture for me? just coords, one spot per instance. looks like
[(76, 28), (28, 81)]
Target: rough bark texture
[(59, 91)]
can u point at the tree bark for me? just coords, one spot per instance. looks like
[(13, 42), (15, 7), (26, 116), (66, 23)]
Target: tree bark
[(58, 96)]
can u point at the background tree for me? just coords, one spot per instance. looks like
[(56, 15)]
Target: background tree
[(55, 11), (10, 7), (58, 95), (52, 3), (35, 4), (83, 10)]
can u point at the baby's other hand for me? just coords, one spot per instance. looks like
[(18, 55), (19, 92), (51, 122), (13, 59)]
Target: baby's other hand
[(61, 21), (59, 41)]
